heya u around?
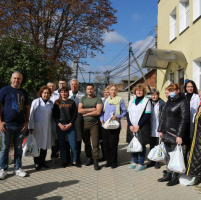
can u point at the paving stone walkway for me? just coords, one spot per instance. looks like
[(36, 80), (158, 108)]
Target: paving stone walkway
[(69, 183)]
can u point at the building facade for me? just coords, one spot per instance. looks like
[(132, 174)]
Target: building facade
[(179, 29)]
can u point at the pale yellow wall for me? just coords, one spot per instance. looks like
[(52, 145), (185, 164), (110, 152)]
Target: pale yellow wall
[(189, 42)]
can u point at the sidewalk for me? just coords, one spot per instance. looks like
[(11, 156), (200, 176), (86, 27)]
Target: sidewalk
[(71, 183)]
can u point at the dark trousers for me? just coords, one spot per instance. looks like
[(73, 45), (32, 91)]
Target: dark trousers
[(110, 144), (40, 160), (55, 149), (154, 141), (79, 146), (91, 129), (169, 147)]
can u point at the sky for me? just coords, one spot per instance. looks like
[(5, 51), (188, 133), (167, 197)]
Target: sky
[(136, 19)]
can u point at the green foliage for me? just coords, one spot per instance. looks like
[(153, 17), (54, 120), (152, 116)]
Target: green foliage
[(19, 55)]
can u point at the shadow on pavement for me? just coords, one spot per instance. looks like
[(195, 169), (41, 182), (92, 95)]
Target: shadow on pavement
[(31, 193)]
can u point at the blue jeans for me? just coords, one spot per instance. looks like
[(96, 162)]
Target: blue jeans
[(15, 131), (139, 157), (71, 134)]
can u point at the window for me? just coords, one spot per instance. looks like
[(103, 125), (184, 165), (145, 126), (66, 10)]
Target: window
[(184, 18), (173, 25), (171, 79), (181, 77), (196, 9), (197, 72)]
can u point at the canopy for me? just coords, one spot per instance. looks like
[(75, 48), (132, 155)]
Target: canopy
[(159, 59)]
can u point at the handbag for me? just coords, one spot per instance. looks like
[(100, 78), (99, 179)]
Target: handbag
[(134, 145), (111, 124), (30, 147), (176, 163)]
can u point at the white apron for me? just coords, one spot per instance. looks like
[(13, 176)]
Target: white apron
[(41, 122)]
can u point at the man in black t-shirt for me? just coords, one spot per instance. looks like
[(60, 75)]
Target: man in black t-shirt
[(14, 119)]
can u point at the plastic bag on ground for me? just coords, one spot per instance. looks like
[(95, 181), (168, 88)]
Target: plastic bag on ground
[(187, 180), (30, 147), (134, 145), (176, 163)]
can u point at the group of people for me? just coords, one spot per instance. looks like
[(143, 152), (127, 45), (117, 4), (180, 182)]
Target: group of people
[(60, 119)]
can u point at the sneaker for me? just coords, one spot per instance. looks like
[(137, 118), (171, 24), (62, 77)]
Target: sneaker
[(3, 174), (132, 166), (20, 172), (140, 168)]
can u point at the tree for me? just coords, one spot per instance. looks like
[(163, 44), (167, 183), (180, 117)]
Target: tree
[(99, 79), (62, 28), (16, 55)]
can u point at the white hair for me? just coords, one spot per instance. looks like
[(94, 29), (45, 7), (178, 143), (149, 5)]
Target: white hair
[(50, 83), (74, 79), (16, 72)]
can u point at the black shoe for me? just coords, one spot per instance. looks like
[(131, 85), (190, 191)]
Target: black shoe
[(166, 177), (78, 161), (64, 164), (96, 166), (44, 166), (37, 167), (114, 165), (151, 164), (174, 180), (108, 164), (89, 161), (102, 159), (157, 165), (77, 165)]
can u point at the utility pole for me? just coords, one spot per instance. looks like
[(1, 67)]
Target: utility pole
[(107, 77), (129, 71), (90, 76), (140, 70)]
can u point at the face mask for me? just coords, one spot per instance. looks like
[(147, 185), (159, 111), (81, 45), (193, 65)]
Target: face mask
[(172, 94)]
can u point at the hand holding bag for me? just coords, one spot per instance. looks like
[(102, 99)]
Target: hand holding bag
[(30, 147), (111, 124), (134, 145), (176, 163), (157, 154)]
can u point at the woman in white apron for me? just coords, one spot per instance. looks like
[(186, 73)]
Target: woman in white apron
[(192, 97), (40, 124), (156, 105), (139, 112)]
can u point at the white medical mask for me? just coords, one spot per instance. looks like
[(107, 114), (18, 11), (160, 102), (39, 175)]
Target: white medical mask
[(172, 94)]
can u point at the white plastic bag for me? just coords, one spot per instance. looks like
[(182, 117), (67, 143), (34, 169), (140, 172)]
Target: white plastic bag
[(30, 147), (134, 145), (187, 180), (157, 154), (176, 163), (111, 124)]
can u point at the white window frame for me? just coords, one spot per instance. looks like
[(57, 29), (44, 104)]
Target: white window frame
[(178, 72), (184, 15), (196, 9), (173, 25), (197, 72), (172, 73)]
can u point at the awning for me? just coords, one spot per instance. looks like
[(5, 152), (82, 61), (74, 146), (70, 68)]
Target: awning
[(159, 59)]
